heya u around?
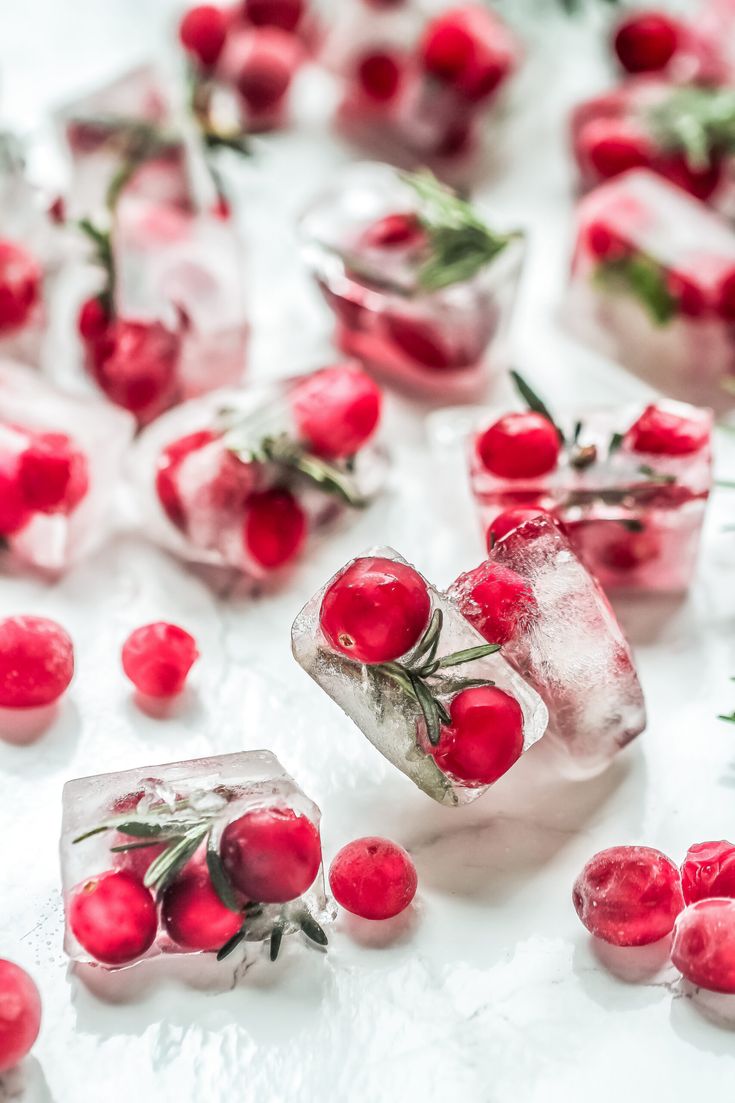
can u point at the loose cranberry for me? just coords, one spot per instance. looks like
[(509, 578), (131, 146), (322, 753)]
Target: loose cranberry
[(510, 519), (93, 320), (628, 895), (53, 473), (275, 528), (660, 433), (379, 75), (169, 462), (704, 944), (271, 854), (36, 662), (708, 870), (14, 510), (725, 298), (135, 364), (485, 736), (497, 601), (394, 231), (158, 657), (20, 286), (113, 917), (373, 878), (20, 1014), (267, 68), (519, 446), (195, 917), (336, 410), (610, 147), (203, 31), (375, 610), (468, 49), (286, 14), (646, 41), (419, 341)]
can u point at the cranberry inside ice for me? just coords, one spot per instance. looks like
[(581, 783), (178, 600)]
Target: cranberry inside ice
[(20, 1014), (194, 916), (285, 14), (36, 662), (271, 855), (373, 878), (169, 465), (708, 870), (336, 410), (53, 473), (466, 48), (660, 433), (157, 658), (704, 944), (203, 31), (484, 739), (275, 527), (113, 917), (519, 446), (628, 895), (647, 41), (20, 286), (496, 600), (510, 519), (135, 364)]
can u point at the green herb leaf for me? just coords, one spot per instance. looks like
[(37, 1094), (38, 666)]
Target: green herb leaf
[(728, 719), (312, 929), (656, 476), (276, 939), (285, 452), (139, 829), (532, 400), (615, 441), (219, 878), (164, 869), (430, 640), (231, 944), (695, 120), (469, 655), (89, 834), (643, 278), (428, 707)]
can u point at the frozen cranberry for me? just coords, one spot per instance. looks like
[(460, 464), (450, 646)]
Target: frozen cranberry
[(519, 446), (702, 183), (646, 41), (708, 870), (271, 854), (285, 14), (612, 146), (93, 320), (495, 600), (275, 527), (605, 243), (660, 433), (203, 31), (336, 410), (169, 462), (725, 298), (510, 519), (20, 286), (375, 610), (704, 944), (158, 657), (195, 917), (135, 364), (690, 299), (419, 341), (628, 895), (36, 662), (113, 917), (379, 75), (53, 473), (394, 231), (468, 49), (267, 67), (136, 860), (485, 736), (373, 878), (20, 1014), (14, 510)]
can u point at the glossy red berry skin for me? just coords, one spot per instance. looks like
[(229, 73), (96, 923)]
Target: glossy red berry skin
[(336, 410), (271, 855), (373, 878), (53, 474), (194, 916), (275, 528), (510, 519), (20, 1014), (92, 320), (609, 147), (708, 870), (286, 14), (14, 510), (267, 69), (202, 32), (660, 433), (484, 739), (375, 611), (646, 41), (169, 463), (704, 944), (113, 917), (604, 243), (158, 657), (519, 446), (466, 49), (379, 75), (497, 601), (36, 662), (135, 364), (20, 286), (628, 895), (394, 231)]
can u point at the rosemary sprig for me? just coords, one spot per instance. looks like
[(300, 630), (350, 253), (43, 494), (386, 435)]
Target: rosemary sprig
[(697, 121), (285, 452), (645, 279), (102, 246)]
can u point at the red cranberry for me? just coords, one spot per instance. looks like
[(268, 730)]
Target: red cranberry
[(419, 341), (336, 410), (497, 601), (373, 878), (660, 433), (510, 519), (646, 41), (267, 69), (92, 321), (519, 446), (135, 364), (158, 657), (394, 231), (628, 895), (468, 49), (708, 870), (379, 75), (375, 610), (203, 31), (613, 146), (285, 14), (605, 243), (702, 183), (14, 510), (271, 855), (195, 917), (36, 662), (704, 944), (20, 286), (169, 462), (113, 917), (689, 296), (485, 736), (137, 860), (725, 298), (20, 1014), (53, 473), (275, 528)]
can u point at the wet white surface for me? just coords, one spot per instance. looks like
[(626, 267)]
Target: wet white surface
[(489, 991)]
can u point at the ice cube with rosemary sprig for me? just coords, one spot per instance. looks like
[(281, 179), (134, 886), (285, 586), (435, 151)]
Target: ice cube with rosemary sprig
[(213, 852), (446, 710), (421, 286), (240, 478)]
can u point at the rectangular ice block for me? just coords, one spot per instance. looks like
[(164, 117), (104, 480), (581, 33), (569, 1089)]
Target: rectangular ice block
[(392, 717), (559, 632), (164, 824)]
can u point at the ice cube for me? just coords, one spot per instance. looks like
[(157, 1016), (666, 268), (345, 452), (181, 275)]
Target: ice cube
[(560, 633), (171, 826), (397, 720)]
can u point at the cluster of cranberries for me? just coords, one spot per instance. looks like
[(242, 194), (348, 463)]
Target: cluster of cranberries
[(635, 895), (41, 472), (21, 282)]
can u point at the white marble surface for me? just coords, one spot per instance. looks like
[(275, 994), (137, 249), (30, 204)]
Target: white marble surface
[(491, 992)]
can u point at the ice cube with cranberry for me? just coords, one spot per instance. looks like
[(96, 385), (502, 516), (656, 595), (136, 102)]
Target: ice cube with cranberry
[(421, 289), (535, 597), (440, 703), (189, 857), (653, 285), (60, 459), (240, 478)]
